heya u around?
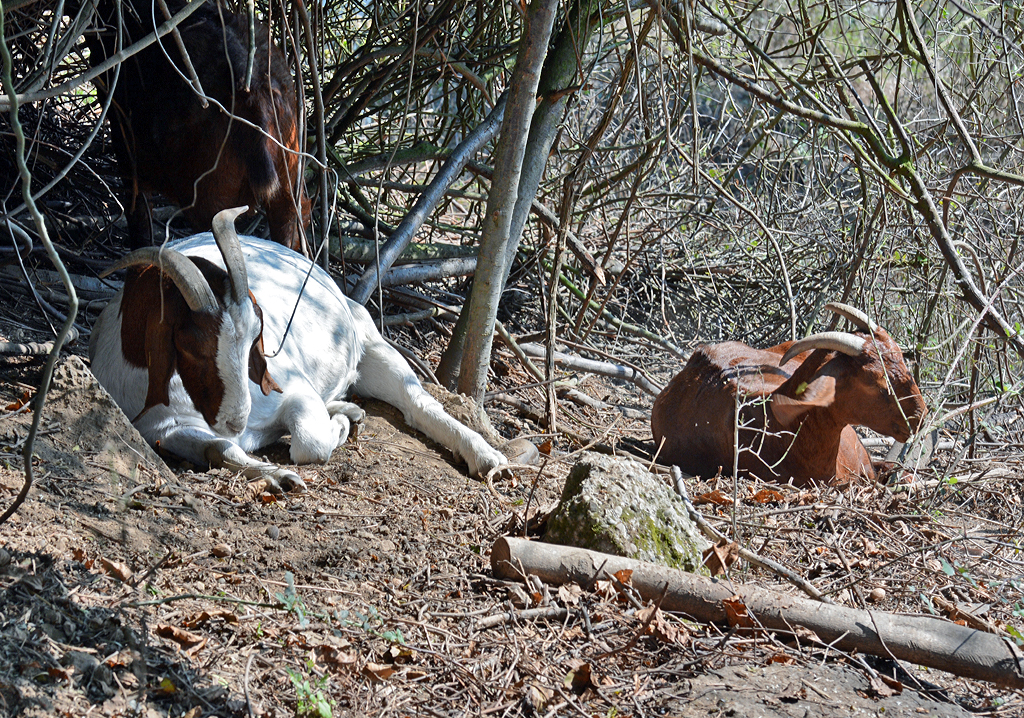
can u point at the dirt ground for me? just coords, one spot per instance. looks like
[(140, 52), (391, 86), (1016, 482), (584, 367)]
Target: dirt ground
[(128, 588)]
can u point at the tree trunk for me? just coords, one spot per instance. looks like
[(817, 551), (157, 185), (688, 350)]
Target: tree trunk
[(560, 69), (489, 278)]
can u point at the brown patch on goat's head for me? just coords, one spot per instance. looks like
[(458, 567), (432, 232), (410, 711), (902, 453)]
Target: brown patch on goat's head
[(257, 364), (884, 395), (197, 346), (161, 334)]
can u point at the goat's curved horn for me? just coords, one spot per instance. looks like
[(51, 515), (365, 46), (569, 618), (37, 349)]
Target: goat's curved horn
[(231, 249), (837, 341), (855, 315), (182, 271)]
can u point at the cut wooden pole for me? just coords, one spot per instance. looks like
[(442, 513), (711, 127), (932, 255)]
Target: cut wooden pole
[(916, 639)]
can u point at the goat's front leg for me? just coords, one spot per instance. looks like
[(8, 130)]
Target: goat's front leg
[(316, 428), (200, 446), (384, 374)]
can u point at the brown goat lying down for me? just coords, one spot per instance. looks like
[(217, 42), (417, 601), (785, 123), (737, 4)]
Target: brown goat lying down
[(203, 159), (795, 421)]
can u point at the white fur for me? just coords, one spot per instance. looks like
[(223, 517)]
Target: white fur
[(332, 346)]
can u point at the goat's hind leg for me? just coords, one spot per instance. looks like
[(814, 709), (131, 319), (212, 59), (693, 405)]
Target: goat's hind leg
[(384, 374)]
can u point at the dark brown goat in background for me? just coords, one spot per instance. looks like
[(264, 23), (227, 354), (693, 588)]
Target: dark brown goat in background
[(202, 158), (794, 423)]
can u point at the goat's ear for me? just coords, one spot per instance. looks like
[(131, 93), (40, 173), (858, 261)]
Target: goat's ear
[(257, 359), (161, 361), (258, 368), (819, 393)]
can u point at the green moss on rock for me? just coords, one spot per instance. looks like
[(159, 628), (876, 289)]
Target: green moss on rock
[(617, 506)]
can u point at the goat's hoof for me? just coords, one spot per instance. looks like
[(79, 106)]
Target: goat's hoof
[(291, 482), (521, 451), (353, 412), (270, 485), (485, 465)]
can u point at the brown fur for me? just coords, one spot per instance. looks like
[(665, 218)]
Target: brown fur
[(817, 396), (166, 142)]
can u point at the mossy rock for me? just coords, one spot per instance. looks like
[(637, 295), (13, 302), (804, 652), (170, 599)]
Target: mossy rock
[(617, 506)]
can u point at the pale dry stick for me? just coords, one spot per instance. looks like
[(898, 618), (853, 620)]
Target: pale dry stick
[(578, 397), (518, 404), (735, 466), (747, 555), (512, 344), (529, 499), (245, 685), (193, 78), (616, 371), (429, 271), (526, 615), (551, 323), (654, 459), (30, 349), (609, 356), (410, 318), (321, 133)]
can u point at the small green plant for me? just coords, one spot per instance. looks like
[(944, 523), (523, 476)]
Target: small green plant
[(291, 601), (954, 570), (393, 636), (371, 623), (1015, 634), (310, 700)]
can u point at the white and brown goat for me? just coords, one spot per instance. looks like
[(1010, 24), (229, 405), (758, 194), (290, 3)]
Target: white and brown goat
[(181, 350), (793, 423)]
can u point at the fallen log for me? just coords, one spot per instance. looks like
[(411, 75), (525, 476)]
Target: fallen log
[(916, 639)]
